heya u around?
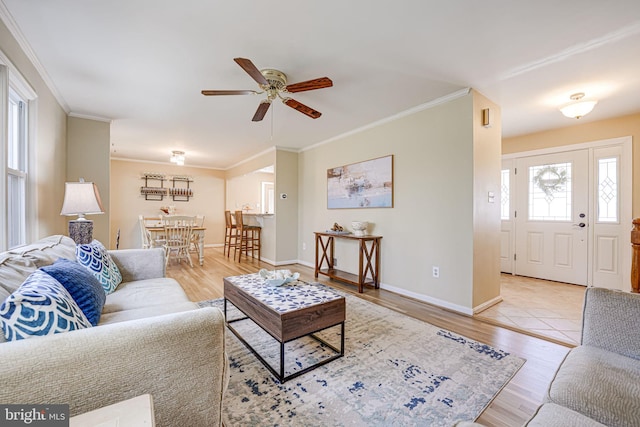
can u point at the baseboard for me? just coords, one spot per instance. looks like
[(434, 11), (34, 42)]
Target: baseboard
[(424, 298), (306, 264), (290, 262), (420, 297)]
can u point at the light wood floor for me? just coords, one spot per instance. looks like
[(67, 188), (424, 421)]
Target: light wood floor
[(512, 407)]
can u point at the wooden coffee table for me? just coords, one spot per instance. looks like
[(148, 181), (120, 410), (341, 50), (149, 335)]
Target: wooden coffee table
[(288, 312)]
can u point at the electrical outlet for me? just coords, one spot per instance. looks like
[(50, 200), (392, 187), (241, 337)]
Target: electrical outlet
[(304, 246), (335, 262), (436, 272)]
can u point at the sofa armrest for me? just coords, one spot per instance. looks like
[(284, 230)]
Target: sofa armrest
[(609, 321), (178, 358), (139, 264)]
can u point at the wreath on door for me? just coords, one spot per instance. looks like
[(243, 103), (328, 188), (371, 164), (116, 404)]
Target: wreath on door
[(550, 179)]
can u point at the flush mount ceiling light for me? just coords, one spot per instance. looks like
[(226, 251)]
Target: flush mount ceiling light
[(177, 157), (578, 108)]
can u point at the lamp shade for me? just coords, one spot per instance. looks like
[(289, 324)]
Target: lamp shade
[(81, 198)]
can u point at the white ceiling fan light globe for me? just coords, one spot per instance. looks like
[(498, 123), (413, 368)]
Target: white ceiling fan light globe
[(579, 109)]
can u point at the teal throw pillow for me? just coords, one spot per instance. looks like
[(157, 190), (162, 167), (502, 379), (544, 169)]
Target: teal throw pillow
[(96, 259), (83, 286), (40, 306)]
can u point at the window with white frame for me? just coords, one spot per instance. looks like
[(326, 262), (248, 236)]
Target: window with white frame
[(16, 169)]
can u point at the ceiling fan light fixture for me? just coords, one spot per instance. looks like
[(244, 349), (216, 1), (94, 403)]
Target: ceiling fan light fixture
[(177, 157), (579, 108)]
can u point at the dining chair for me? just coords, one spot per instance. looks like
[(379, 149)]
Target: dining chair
[(145, 236), (179, 220), (249, 236), (230, 234), (178, 240), (195, 238), (150, 240)]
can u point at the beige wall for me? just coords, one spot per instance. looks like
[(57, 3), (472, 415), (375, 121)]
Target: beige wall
[(88, 151), (286, 209), (47, 173), (432, 221), (486, 217), (586, 132), (127, 203)]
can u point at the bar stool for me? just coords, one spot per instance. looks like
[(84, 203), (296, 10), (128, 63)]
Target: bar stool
[(249, 236), (230, 234)]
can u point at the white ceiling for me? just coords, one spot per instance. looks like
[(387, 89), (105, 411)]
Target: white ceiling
[(143, 63)]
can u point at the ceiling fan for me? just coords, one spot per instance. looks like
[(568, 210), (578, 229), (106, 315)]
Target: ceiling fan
[(274, 84)]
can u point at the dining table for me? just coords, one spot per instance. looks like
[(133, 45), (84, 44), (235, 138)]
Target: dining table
[(157, 230)]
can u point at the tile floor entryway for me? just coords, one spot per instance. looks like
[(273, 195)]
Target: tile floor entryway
[(539, 307)]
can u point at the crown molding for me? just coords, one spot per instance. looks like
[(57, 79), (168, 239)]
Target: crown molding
[(152, 162), (611, 37), (255, 156), (89, 117), (12, 26)]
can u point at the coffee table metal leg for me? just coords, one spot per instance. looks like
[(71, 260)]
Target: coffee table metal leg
[(281, 362)]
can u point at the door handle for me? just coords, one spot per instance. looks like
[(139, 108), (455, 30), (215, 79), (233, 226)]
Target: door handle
[(581, 225)]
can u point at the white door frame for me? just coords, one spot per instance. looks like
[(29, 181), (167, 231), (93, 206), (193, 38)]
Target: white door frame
[(626, 193)]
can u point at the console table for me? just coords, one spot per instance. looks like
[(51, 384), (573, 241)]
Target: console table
[(369, 262)]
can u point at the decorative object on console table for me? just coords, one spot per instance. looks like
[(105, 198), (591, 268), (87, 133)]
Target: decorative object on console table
[(359, 227), (367, 184), (81, 198)]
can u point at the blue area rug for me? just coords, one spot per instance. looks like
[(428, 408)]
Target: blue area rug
[(397, 371)]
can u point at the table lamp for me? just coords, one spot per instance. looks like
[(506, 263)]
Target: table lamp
[(81, 198)]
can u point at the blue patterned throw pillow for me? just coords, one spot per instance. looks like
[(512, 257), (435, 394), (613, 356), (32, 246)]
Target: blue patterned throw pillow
[(40, 306), (83, 286), (95, 257)]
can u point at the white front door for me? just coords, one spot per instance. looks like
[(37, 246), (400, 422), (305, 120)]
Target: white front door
[(551, 216)]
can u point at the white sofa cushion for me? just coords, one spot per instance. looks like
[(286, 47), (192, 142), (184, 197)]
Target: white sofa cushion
[(144, 312), (145, 293)]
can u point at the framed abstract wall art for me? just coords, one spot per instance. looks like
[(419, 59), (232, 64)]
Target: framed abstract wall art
[(367, 184)]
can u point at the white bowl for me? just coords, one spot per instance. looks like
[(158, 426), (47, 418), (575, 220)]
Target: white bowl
[(278, 277), (359, 227)]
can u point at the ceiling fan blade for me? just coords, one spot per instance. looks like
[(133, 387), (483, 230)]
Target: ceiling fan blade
[(261, 111), (302, 108), (228, 92), (320, 83), (252, 70)]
